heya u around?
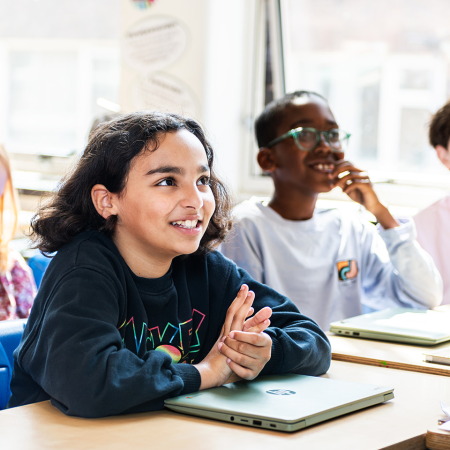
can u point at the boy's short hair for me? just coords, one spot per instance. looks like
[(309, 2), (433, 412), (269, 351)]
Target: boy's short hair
[(268, 121), (439, 132)]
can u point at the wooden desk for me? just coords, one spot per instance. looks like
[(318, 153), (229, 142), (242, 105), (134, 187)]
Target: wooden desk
[(398, 424), (437, 439), (386, 354)]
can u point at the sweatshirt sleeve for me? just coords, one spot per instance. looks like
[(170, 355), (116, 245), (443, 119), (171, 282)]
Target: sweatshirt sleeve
[(298, 344), (241, 247), (398, 272), (75, 354)]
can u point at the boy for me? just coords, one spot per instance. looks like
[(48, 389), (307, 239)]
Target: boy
[(328, 262), (433, 221)]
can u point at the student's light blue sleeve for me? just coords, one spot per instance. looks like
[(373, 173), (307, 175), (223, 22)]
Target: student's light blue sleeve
[(397, 271), (242, 247)]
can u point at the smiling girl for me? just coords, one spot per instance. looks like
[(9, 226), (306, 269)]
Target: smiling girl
[(136, 306)]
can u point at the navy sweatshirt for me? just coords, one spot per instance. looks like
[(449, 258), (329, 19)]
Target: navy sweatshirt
[(101, 341)]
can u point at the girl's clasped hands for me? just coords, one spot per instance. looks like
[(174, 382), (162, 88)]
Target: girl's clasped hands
[(242, 347)]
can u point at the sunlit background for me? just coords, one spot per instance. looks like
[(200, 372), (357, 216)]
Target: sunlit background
[(384, 66)]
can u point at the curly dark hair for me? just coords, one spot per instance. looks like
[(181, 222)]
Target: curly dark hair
[(439, 133), (107, 160), (267, 122)]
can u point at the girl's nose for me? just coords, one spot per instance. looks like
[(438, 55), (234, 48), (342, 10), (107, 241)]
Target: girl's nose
[(192, 198)]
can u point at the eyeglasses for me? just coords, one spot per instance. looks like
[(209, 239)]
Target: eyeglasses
[(307, 139)]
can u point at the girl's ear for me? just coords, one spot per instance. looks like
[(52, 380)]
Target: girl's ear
[(103, 201), (266, 159), (443, 155)]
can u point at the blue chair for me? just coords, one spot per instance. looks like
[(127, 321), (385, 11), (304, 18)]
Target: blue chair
[(10, 334), (39, 264)]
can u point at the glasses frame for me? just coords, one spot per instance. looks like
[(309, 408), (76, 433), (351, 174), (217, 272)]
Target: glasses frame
[(296, 131)]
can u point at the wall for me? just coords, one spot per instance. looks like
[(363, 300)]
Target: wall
[(194, 57)]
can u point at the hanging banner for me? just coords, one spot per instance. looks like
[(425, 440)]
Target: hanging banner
[(163, 92), (154, 43)]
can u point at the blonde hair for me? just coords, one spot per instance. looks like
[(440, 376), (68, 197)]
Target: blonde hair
[(8, 212)]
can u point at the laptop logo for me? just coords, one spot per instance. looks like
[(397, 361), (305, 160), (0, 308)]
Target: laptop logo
[(281, 392)]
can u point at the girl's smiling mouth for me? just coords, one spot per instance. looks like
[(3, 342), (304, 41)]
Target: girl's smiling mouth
[(188, 226)]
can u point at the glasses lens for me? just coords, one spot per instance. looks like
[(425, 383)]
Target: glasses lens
[(307, 138), (338, 139)]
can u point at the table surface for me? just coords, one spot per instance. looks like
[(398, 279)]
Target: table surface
[(400, 423), (386, 354)]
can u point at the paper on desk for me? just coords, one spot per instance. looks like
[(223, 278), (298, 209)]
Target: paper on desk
[(446, 409)]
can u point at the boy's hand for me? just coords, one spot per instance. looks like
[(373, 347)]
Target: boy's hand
[(214, 370), (247, 352), (356, 184)]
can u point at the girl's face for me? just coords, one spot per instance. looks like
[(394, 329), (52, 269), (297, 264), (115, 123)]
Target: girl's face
[(167, 202)]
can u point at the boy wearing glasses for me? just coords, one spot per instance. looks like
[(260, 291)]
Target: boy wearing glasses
[(329, 262)]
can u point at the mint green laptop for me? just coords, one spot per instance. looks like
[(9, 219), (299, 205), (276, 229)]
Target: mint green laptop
[(282, 402), (412, 326)]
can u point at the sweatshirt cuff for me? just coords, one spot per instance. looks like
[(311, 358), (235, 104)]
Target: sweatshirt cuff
[(190, 376), (275, 364), (394, 236)]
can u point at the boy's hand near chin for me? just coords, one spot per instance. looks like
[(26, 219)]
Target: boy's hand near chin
[(356, 184)]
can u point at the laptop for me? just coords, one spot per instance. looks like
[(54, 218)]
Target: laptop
[(411, 326), (283, 402)]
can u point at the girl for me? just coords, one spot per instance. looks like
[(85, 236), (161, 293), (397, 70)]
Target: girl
[(17, 286), (136, 306)]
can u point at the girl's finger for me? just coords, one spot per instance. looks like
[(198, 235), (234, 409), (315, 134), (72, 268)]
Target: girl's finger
[(241, 372), (234, 307), (258, 318), (241, 314), (259, 328)]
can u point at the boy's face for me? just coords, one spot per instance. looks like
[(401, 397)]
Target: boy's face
[(309, 171), (167, 202)]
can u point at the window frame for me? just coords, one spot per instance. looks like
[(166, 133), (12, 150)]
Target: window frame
[(408, 191)]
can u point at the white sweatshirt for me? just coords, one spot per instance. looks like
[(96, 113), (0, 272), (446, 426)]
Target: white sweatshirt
[(334, 263)]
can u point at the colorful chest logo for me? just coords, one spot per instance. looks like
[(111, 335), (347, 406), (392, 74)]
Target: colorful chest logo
[(143, 4), (347, 270)]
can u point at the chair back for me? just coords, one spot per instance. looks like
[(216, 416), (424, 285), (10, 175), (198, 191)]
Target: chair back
[(10, 334)]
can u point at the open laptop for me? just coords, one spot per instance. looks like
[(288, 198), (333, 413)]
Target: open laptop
[(283, 402), (412, 326)]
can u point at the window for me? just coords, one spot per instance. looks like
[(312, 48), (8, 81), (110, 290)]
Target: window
[(383, 66), (55, 63)]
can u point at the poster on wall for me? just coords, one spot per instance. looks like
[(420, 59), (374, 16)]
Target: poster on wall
[(154, 43), (163, 92)]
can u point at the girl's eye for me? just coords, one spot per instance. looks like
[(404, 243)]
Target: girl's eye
[(204, 181), (166, 182)]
